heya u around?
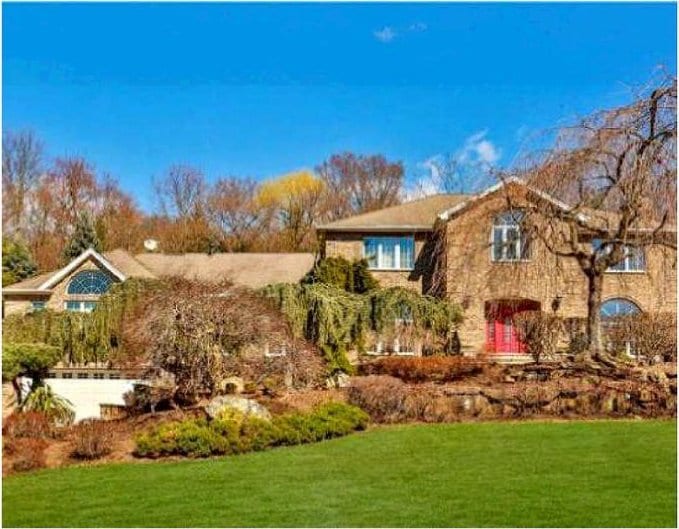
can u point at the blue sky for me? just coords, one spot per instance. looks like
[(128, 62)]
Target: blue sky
[(262, 89)]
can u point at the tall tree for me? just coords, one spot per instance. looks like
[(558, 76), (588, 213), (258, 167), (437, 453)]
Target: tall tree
[(617, 172), (83, 238), (295, 201), (358, 184), (232, 209), (21, 169), (181, 192)]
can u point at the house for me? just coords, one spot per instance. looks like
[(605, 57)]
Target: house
[(78, 285), (470, 249)]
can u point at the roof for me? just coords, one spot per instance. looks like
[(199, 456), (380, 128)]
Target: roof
[(248, 269), (416, 215)]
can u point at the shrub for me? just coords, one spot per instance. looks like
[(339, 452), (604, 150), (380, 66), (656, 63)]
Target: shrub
[(44, 400), (340, 273), (426, 369), (233, 433), (539, 331), (30, 424), (646, 335), (382, 397), (92, 439), (27, 454)]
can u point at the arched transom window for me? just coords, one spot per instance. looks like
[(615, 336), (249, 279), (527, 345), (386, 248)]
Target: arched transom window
[(617, 307), (90, 282), (508, 241)]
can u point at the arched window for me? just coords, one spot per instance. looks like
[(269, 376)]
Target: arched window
[(509, 243), (90, 282), (616, 307)]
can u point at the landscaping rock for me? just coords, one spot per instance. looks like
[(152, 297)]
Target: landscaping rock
[(241, 404)]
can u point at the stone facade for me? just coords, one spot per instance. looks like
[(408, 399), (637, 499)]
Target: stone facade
[(350, 246), (20, 304), (475, 282)]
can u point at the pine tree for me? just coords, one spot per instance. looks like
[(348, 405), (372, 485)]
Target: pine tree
[(84, 237), (17, 263)]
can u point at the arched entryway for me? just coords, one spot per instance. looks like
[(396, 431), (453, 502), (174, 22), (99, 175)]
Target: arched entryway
[(501, 336)]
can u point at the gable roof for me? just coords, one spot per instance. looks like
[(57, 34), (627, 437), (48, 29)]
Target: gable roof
[(90, 253), (248, 269), (416, 215), (473, 199)]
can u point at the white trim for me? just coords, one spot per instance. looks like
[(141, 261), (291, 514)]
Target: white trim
[(445, 215), (90, 252)]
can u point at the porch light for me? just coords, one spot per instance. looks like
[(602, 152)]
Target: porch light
[(556, 303)]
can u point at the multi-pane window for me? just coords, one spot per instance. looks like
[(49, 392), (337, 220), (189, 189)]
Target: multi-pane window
[(38, 305), (80, 306), (509, 243), (612, 313), (634, 259), (90, 282), (389, 253)]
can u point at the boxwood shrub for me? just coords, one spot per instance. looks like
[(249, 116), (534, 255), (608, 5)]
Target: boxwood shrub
[(233, 432)]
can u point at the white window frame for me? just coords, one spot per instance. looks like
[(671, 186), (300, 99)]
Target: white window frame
[(627, 248), (81, 306), (518, 244), (397, 253)]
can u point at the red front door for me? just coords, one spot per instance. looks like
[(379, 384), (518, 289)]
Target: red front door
[(501, 336)]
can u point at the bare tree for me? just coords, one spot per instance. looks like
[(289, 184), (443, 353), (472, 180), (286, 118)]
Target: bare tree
[(232, 209), (358, 184), (615, 177), (181, 192), (21, 169)]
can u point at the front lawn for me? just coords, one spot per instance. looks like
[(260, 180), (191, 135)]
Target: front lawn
[(600, 473)]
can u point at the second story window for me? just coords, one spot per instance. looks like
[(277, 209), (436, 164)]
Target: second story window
[(389, 253), (89, 282), (634, 259), (508, 242)]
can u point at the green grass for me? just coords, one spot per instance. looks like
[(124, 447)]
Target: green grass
[(605, 473)]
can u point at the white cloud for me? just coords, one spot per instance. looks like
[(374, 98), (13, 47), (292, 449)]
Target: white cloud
[(418, 26), (478, 149), (386, 34), (389, 33)]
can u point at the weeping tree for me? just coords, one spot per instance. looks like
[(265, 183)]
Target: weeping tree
[(81, 338), (338, 321), (615, 176)]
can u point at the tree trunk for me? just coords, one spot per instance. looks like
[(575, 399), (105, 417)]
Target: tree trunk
[(594, 293)]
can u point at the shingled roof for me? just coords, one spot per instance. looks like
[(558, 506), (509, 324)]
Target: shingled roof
[(248, 269), (417, 215)]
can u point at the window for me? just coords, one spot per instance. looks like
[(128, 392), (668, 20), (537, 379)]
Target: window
[(617, 307), (508, 242), (90, 282), (633, 261), (38, 305), (389, 253), (611, 312), (80, 306)]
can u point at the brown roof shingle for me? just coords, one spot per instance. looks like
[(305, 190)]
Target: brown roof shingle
[(249, 269), (414, 215)]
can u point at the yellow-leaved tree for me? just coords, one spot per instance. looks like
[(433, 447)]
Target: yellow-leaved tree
[(294, 201)]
